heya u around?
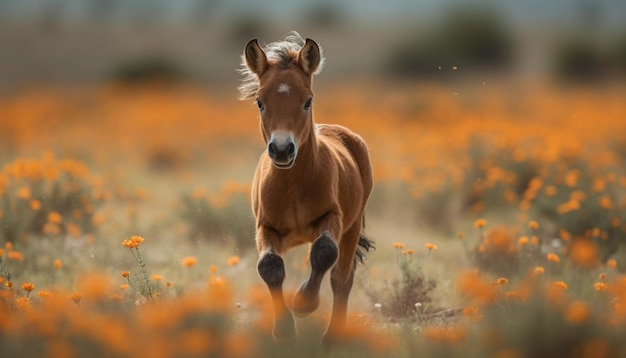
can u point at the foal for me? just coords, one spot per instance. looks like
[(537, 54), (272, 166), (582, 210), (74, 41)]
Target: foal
[(310, 185)]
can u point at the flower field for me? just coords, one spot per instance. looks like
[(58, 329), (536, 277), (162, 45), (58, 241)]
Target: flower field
[(499, 215)]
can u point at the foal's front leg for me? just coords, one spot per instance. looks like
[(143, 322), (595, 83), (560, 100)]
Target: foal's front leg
[(271, 268), (323, 255)]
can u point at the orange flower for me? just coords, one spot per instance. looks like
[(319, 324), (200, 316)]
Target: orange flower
[(523, 241), (44, 294), (133, 242), (27, 286), (16, 256), (23, 192), (600, 286), (76, 297), (502, 281), (189, 261), (398, 245), (533, 225), (123, 286), (552, 257), (55, 217), (577, 312), (125, 274), (560, 285), (57, 263), (538, 270), (233, 260), (157, 277), (213, 269), (430, 246), (612, 263), (35, 205), (407, 252), (584, 253), (480, 223)]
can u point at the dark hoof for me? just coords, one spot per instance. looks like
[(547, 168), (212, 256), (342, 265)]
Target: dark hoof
[(324, 253), (305, 301)]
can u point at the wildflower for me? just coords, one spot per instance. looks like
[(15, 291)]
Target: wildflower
[(430, 246), (533, 225), (57, 264), (577, 312), (55, 218), (600, 286), (584, 253), (560, 285), (16, 256), (213, 269), (601, 276), (23, 192), (233, 260), (480, 223), (502, 281), (470, 311), (1, 253), (76, 297), (523, 241), (34, 205), (125, 274), (8, 245), (157, 277), (133, 242), (612, 263), (22, 301), (123, 287), (398, 245), (44, 294), (27, 286), (407, 252), (539, 270), (189, 261), (552, 257)]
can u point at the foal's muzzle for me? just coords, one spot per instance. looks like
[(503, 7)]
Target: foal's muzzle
[(282, 150)]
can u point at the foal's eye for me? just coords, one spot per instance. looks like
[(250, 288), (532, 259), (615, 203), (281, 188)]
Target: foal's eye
[(307, 105), (258, 103)]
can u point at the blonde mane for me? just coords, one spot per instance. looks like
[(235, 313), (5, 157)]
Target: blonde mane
[(282, 54)]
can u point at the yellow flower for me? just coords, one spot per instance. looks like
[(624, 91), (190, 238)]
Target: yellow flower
[(600, 286), (133, 242), (480, 223), (189, 261), (552, 257), (430, 246), (398, 245), (233, 260), (27, 286), (533, 225), (612, 263)]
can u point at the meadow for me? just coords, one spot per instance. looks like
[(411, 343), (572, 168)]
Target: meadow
[(498, 214)]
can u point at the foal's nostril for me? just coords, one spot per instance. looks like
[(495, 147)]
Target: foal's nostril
[(291, 149), (271, 150)]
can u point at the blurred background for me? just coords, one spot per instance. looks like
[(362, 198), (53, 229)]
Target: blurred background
[(200, 41)]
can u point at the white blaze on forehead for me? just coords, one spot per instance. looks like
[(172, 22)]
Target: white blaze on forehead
[(283, 88)]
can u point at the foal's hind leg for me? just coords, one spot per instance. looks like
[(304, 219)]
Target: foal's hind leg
[(341, 279)]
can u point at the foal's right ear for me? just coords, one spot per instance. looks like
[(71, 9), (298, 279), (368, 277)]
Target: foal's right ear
[(256, 60)]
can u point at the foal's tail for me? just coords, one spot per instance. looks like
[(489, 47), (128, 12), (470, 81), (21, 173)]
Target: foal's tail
[(363, 246)]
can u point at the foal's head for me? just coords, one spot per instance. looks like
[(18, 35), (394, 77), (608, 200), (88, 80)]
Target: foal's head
[(280, 80)]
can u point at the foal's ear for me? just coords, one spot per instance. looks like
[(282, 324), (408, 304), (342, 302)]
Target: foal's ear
[(256, 60), (309, 57)]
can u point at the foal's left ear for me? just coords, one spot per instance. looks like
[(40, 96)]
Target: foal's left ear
[(309, 57), (256, 60)]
